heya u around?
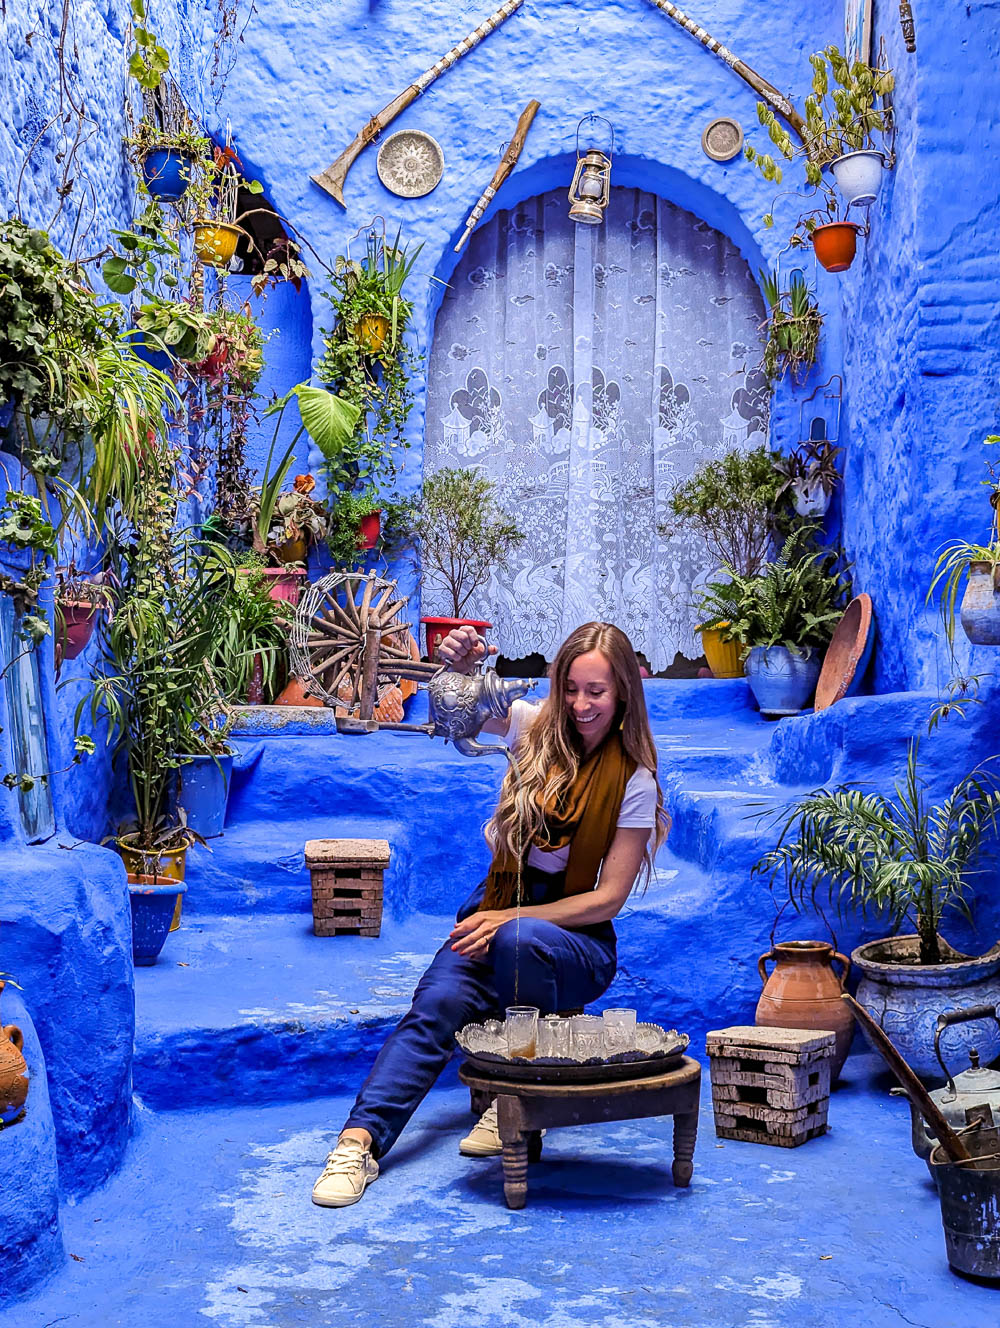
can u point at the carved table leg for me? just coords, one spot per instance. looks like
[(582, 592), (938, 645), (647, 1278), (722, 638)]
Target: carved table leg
[(535, 1146), (515, 1151), (685, 1135)]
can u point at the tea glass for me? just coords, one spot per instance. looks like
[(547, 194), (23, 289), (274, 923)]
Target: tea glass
[(522, 1031), (619, 1031), (588, 1036), (548, 1034)]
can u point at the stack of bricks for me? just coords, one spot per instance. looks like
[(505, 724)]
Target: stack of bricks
[(770, 1085), (347, 885)]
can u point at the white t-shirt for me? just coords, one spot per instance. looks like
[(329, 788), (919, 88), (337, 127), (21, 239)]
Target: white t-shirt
[(638, 809)]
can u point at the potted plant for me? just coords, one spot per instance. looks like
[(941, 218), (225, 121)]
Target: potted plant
[(909, 861), (213, 198), (250, 640), (845, 132), (979, 564), (793, 327), (729, 502), (785, 616), (462, 535), (298, 522), (78, 602), (205, 765), (809, 476), (367, 363), (164, 155)]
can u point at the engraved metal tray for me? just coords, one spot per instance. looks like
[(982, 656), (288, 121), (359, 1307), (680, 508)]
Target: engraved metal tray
[(667, 1050)]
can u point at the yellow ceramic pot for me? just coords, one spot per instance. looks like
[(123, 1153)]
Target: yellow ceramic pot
[(215, 242), (723, 657), (372, 330), (292, 551)]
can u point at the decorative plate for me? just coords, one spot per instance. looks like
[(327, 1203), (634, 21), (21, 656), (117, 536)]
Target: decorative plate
[(722, 139), (410, 163)]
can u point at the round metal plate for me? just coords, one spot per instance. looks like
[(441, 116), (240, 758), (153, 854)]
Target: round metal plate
[(722, 139), (631, 1065), (410, 163)]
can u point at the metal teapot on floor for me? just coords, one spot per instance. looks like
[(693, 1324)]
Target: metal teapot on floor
[(967, 1097)]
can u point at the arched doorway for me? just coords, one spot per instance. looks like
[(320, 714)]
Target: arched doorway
[(585, 370)]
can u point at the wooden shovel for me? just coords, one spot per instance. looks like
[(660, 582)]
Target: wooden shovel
[(911, 1085)]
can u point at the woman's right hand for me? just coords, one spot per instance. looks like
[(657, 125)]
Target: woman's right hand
[(463, 648)]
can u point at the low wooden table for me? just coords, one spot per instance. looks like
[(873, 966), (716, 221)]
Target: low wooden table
[(523, 1109)]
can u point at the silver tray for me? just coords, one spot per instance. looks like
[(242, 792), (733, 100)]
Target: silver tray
[(665, 1056)]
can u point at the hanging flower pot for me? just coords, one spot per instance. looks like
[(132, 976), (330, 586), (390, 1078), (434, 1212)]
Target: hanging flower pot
[(836, 244), (75, 622), (215, 242), (371, 332), (167, 173), (810, 498), (980, 612), (858, 176), (292, 551), (149, 351), (368, 530)]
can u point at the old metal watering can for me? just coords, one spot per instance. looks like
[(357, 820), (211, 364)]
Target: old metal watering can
[(459, 704), (973, 1095)]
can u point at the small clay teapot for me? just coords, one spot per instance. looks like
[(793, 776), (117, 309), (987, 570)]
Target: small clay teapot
[(459, 704), (13, 1073)]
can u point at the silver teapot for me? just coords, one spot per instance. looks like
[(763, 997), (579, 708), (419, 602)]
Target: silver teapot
[(459, 704), (973, 1095)]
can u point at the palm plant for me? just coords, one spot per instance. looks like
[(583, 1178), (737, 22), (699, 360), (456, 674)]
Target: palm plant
[(895, 855)]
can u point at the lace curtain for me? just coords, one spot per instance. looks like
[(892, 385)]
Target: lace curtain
[(585, 370)]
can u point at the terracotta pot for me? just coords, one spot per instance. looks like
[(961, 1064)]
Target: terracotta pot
[(371, 332), (847, 655), (836, 244), (980, 611), (804, 992), (368, 530), (294, 694), (75, 621), (13, 1073), (438, 629), (722, 657), (215, 242), (292, 551)]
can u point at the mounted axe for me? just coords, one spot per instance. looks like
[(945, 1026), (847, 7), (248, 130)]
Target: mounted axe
[(332, 179)]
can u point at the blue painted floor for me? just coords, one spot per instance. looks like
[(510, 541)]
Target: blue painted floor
[(210, 1223)]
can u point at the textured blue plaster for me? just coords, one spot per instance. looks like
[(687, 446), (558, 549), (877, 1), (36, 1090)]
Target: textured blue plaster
[(29, 1195)]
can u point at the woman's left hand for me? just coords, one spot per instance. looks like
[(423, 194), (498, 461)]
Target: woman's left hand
[(473, 935)]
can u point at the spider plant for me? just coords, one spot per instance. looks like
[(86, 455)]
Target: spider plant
[(793, 327), (894, 855), (251, 636)]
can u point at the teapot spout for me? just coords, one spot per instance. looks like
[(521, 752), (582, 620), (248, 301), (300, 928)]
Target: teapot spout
[(470, 747)]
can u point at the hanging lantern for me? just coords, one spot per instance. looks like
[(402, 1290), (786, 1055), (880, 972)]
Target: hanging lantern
[(590, 192)]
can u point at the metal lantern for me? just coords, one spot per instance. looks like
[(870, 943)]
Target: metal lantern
[(590, 192)]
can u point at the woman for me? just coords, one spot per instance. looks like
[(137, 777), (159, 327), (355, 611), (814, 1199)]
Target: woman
[(585, 803)]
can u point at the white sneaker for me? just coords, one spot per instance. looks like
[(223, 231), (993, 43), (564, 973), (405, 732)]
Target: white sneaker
[(483, 1140), (349, 1168)]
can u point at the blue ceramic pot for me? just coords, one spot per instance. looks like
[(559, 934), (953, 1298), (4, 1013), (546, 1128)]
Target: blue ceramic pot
[(156, 359), (905, 999), (782, 683), (167, 172), (204, 792), (153, 905)]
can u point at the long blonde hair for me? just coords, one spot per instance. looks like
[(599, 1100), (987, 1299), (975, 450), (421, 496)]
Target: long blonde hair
[(550, 751)]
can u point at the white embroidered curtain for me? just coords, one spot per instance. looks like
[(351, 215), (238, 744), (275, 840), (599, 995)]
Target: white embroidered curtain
[(585, 369)]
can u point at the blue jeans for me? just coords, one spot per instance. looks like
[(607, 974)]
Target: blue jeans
[(558, 969)]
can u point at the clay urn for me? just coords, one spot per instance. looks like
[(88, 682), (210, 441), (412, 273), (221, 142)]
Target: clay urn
[(804, 991), (13, 1073)]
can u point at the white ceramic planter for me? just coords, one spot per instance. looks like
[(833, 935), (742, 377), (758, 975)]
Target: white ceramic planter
[(811, 499), (859, 176)]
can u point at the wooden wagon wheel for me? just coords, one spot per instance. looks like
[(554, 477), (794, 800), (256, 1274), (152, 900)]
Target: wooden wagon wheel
[(348, 629)]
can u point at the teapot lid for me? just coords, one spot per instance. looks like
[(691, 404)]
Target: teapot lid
[(976, 1086)]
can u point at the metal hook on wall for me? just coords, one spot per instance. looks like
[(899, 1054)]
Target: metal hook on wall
[(373, 236), (829, 393)]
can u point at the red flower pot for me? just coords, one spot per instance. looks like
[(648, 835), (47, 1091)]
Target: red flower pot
[(836, 245), (438, 628), (368, 530), (75, 620), (284, 583)]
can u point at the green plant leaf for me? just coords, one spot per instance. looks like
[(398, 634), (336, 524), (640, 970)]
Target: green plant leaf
[(328, 419)]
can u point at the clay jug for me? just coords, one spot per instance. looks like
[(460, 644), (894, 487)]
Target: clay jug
[(804, 992), (13, 1074)]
